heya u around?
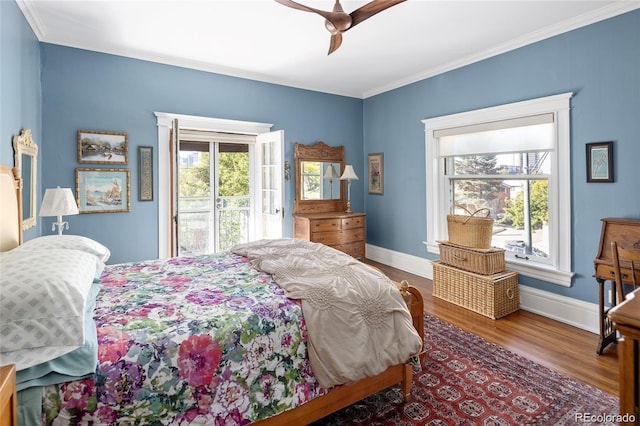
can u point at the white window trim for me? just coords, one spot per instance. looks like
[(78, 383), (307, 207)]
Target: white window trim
[(559, 192)]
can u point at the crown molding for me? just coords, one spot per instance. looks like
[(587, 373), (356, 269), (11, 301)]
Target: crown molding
[(29, 11), (583, 20)]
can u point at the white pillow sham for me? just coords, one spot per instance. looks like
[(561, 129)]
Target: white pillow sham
[(67, 241), (43, 296)]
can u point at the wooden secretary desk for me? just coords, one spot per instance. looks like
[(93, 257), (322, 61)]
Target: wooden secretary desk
[(319, 208), (626, 233)]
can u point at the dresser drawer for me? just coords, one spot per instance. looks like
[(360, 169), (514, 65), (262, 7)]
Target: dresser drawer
[(353, 222), (339, 237), (605, 272), (343, 231), (326, 225), (352, 249)]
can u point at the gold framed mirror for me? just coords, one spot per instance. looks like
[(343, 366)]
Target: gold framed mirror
[(318, 168), (26, 161)]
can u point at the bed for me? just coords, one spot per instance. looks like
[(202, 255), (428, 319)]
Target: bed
[(233, 338)]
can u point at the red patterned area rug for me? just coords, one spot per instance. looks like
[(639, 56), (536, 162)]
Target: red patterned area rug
[(467, 380)]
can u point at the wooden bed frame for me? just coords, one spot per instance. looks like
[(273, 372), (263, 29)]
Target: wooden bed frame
[(345, 395), (336, 399)]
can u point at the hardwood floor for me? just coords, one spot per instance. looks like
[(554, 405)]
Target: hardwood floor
[(564, 348)]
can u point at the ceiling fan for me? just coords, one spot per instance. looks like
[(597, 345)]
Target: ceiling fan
[(338, 21)]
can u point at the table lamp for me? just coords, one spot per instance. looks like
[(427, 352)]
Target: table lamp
[(58, 202), (349, 174)]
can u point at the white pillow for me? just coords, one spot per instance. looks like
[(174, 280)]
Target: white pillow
[(43, 296), (66, 241)]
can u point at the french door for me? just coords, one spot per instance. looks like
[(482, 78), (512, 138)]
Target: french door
[(271, 183), (214, 198), (218, 205)]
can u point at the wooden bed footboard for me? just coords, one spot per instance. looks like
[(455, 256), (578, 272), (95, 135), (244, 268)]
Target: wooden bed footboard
[(342, 396)]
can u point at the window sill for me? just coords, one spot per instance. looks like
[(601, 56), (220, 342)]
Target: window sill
[(539, 272)]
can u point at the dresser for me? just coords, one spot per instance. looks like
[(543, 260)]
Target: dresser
[(626, 232), (340, 230)]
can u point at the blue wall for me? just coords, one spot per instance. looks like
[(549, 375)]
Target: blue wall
[(95, 91), (600, 63), (20, 100)]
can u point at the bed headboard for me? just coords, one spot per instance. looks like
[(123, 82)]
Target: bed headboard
[(10, 208)]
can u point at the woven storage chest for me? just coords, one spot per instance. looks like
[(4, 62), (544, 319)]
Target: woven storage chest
[(481, 261), (493, 296)]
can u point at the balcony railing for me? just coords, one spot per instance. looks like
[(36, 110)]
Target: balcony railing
[(197, 228)]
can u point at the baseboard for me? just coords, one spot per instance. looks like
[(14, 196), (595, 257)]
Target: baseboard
[(574, 312)]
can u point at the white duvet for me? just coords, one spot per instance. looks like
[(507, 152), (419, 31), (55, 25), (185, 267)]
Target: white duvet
[(357, 321)]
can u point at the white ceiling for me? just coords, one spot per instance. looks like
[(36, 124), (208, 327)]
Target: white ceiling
[(263, 40)]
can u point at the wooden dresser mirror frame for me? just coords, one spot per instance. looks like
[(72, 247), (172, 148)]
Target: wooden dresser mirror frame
[(26, 161), (323, 153)]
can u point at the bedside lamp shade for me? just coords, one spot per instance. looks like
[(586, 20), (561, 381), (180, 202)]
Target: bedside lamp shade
[(58, 202), (349, 174)]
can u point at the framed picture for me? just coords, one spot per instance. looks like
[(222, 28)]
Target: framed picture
[(600, 162), (376, 173), (103, 190), (102, 147), (145, 173)]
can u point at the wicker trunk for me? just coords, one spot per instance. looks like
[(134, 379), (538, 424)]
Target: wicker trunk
[(481, 261), (493, 296)]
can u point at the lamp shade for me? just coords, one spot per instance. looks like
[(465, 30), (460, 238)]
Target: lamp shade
[(349, 173), (331, 172), (58, 202)]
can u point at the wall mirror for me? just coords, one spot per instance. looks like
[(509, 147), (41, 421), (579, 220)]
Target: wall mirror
[(26, 160), (318, 187), (320, 180)]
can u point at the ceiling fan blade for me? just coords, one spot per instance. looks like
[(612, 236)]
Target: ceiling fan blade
[(337, 21), (290, 3), (370, 9), (336, 41)]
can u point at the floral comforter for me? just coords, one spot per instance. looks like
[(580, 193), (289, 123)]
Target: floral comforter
[(204, 340)]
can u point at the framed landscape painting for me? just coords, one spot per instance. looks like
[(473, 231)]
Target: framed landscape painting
[(102, 147), (103, 190)]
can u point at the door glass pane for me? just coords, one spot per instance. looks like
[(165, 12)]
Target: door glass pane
[(213, 218), (233, 203), (194, 199), (271, 174), (194, 228)]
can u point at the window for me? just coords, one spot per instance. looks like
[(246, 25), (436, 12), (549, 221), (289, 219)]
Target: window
[(514, 161)]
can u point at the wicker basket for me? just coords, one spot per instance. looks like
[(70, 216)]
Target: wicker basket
[(493, 296), (481, 261), (470, 231)]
